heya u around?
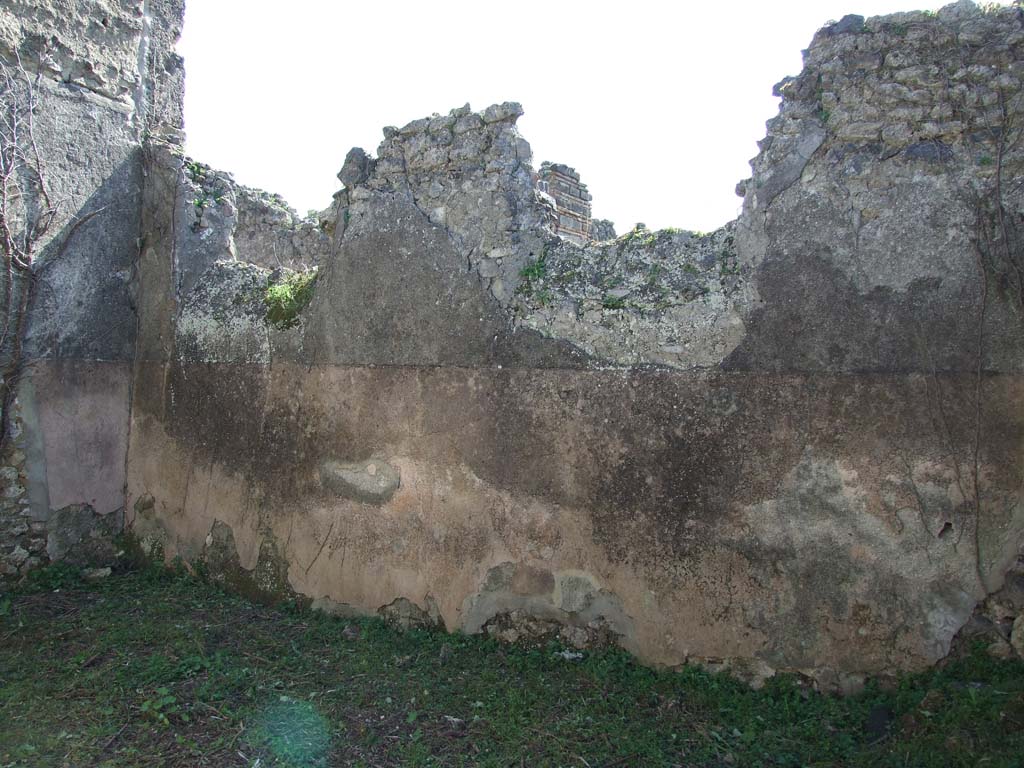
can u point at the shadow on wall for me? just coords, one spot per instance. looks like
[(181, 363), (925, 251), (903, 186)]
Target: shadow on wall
[(65, 466)]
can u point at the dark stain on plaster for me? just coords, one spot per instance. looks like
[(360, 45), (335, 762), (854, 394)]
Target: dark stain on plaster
[(813, 319)]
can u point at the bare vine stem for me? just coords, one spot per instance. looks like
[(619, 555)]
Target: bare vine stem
[(27, 215)]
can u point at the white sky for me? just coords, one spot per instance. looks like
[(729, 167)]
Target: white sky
[(658, 105)]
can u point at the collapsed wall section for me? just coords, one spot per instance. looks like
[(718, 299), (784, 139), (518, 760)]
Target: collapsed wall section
[(468, 173)]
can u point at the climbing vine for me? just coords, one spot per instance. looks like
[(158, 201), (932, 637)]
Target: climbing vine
[(27, 214)]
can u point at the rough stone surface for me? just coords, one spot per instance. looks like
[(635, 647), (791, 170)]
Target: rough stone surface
[(668, 297), (80, 536), (105, 73), (357, 168), (601, 230), (261, 576), (223, 317), (861, 219), (373, 481), (82, 44), (469, 175), (270, 234), (528, 628), (16, 525), (406, 614)]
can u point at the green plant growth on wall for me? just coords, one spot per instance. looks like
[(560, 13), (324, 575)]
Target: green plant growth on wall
[(288, 296), (534, 275), (209, 189), (535, 270), (638, 236)]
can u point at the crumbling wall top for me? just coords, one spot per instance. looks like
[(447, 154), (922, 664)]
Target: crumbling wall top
[(468, 172)]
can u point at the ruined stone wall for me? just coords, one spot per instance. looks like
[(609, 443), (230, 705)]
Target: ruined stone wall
[(601, 230), (758, 446), (468, 173), (793, 443), (871, 182), (104, 76)]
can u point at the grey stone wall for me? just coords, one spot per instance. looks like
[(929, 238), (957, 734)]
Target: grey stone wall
[(869, 194), (23, 536), (668, 298), (601, 230), (105, 78), (470, 174), (858, 247)]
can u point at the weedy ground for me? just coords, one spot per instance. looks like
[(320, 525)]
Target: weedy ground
[(161, 669)]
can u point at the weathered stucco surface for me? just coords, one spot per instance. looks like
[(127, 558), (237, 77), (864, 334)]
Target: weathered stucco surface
[(794, 443), (729, 515), (104, 76)]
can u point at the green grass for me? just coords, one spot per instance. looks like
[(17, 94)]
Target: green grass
[(158, 669)]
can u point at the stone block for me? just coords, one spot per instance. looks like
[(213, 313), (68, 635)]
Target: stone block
[(372, 482)]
